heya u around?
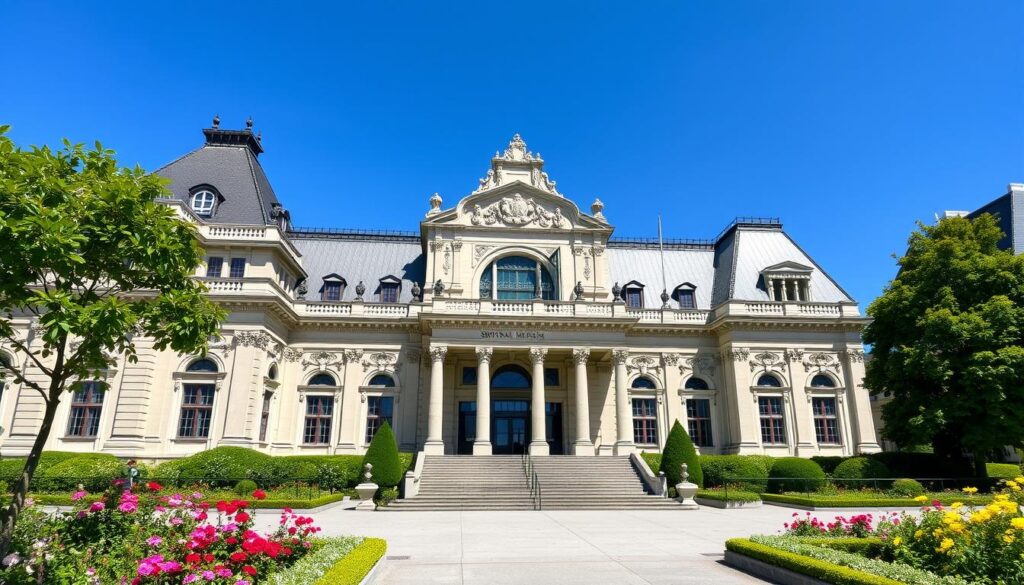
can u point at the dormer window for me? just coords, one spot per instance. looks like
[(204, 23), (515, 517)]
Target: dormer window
[(686, 296), (390, 287), (203, 202), (333, 288), (633, 295), (787, 281)]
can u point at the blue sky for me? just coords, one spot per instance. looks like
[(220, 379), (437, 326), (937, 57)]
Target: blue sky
[(848, 120)]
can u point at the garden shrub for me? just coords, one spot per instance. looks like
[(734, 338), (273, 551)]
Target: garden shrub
[(10, 469), (795, 474), (765, 462), (907, 488), (653, 461), (828, 463), (678, 450), (859, 468), (245, 488), (352, 569), (383, 455), (93, 471), (717, 468), (221, 467), (1003, 470), (385, 496)]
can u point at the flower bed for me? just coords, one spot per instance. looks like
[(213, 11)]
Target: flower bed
[(939, 545), (863, 499), (338, 561), (154, 536), (274, 501)]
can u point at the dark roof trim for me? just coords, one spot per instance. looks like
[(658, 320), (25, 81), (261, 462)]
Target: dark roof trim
[(349, 234), (219, 137)]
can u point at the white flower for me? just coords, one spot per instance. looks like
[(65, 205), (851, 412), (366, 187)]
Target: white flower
[(11, 560)]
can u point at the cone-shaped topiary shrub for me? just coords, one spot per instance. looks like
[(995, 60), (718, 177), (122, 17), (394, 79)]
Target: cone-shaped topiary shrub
[(383, 455), (678, 450)]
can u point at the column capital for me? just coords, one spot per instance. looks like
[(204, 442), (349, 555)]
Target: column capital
[(537, 354), (580, 355), (483, 354), (438, 352), (619, 356)]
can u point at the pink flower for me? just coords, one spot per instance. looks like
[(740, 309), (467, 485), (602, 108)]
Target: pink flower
[(146, 569), (170, 566), (129, 502), (209, 576), (97, 507), (154, 541), (224, 572), (78, 495), (190, 578), (176, 521)]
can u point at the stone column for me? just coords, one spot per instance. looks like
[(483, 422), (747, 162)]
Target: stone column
[(623, 411), (866, 440), (482, 444), (435, 430), (582, 444), (538, 432)]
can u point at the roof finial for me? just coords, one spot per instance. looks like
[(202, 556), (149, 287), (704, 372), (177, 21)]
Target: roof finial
[(216, 120), (259, 136), (248, 123)]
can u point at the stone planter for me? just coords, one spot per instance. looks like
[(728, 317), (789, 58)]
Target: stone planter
[(366, 491)]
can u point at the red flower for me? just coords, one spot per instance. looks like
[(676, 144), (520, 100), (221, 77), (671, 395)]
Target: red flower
[(249, 570), (208, 558), (238, 557), (259, 495), (154, 486), (241, 517), (192, 558), (231, 540)]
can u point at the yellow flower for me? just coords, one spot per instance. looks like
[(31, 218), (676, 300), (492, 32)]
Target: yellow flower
[(1016, 488), (956, 505), (937, 532), (950, 517), (970, 490), (1017, 523), (897, 541), (1019, 479), (945, 545), (1011, 483), (921, 499), (919, 533), (957, 528), (1002, 497), (1008, 539)]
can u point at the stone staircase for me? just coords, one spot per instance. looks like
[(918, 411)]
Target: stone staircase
[(498, 482)]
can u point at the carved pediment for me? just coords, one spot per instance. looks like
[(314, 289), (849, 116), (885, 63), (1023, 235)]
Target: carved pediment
[(518, 210)]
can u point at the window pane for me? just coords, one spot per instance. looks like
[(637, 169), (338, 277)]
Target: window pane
[(389, 293), (698, 415), (237, 268), (214, 266), (686, 299), (645, 421), (469, 375), (551, 376), (826, 423)]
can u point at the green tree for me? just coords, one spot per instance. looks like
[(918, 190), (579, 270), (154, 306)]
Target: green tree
[(383, 455), (946, 337), (679, 449), (91, 260)]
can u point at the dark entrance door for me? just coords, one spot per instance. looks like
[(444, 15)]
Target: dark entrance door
[(510, 432), (467, 428)]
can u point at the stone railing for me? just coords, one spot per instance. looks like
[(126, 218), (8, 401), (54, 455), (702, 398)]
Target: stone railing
[(787, 309), (541, 308)]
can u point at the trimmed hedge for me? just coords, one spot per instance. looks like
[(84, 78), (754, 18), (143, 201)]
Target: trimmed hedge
[(357, 564), (717, 468), (1003, 470), (94, 471), (795, 474), (907, 488), (383, 456), (679, 449), (859, 468), (821, 570), (765, 462), (866, 500), (734, 496), (828, 463), (10, 469)]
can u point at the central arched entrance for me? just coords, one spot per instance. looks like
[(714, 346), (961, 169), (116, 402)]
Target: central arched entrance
[(510, 414)]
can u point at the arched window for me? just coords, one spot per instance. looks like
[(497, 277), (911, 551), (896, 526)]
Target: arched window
[(510, 377), (518, 278), (203, 202), (769, 381), (822, 381), (644, 384), (696, 383), (202, 365), (322, 380), (272, 372), (382, 380)]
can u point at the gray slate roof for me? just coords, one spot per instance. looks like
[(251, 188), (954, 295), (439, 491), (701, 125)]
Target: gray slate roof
[(368, 260), (235, 173), (695, 266)]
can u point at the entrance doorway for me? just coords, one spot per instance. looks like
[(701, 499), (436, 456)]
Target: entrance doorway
[(510, 426)]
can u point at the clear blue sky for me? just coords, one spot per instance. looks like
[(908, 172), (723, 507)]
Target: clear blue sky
[(849, 120)]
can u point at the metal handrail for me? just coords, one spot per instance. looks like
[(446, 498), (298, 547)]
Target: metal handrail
[(532, 481)]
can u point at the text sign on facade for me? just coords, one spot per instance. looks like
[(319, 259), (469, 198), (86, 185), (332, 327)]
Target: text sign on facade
[(512, 335)]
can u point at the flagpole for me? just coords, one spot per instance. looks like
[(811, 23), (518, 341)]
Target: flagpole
[(664, 284)]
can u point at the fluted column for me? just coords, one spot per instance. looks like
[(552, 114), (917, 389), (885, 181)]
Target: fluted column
[(582, 444), (623, 411), (435, 430), (538, 432), (482, 444)]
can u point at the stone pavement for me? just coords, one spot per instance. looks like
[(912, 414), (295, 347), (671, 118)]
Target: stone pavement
[(655, 547)]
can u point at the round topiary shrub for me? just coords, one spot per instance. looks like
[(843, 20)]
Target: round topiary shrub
[(856, 469), (222, 466), (93, 471), (245, 488), (906, 488), (795, 474), (678, 450), (828, 463), (383, 455), (741, 472)]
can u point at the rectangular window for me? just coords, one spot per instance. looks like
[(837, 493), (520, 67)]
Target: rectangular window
[(378, 410), (773, 425), (331, 291), (698, 418), (214, 265), (265, 415), (468, 375), (196, 411), (635, 298), (86, 407), (317, 430), (237, 268), (389, 292), (686, 300), (645, 421), (826, 423), (551, 376)]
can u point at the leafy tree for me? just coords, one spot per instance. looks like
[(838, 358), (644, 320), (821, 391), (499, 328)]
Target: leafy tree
[(383, 455), (92, 261), (679, 449), (946, 336)]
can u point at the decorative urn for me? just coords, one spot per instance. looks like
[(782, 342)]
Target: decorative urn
[(366, 490), (685, 490)]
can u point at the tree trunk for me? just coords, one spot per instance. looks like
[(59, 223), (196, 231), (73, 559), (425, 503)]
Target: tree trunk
[(9, 517), (980, 467)]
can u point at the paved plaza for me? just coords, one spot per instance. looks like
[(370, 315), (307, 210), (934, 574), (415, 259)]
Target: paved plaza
[(558, 547)]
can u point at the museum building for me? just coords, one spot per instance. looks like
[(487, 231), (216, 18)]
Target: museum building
[(512, 321)]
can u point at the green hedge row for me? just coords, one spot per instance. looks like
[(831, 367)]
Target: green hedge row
[(60, 471), (357, 564), (822, 570), (733, 496), (866, 500)]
